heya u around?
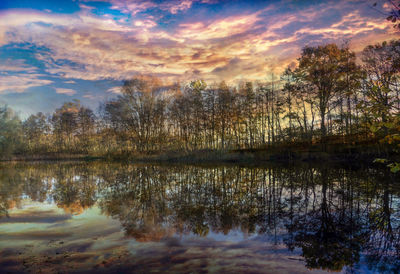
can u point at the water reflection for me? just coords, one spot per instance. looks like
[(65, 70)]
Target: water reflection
[(336, 217)]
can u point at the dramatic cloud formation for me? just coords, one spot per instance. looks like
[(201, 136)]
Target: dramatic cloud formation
[(78, 46)]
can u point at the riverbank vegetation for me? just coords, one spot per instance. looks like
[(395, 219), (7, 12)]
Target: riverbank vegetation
[(331, 101)]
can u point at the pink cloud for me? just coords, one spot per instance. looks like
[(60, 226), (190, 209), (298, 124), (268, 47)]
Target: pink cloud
[(145, 23), (103, 48), (65, 91), (182, 6), (134, 7), (19, 82), (218, 29), (115, 90)]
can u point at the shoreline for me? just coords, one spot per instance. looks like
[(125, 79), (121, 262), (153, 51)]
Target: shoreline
[(363, 157)]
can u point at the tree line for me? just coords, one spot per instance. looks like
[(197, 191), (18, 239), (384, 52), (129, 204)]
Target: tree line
[(327, 97)]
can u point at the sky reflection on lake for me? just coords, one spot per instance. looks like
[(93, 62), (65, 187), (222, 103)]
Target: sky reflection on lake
[(81, 217)]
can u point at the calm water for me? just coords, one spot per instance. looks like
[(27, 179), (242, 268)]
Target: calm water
[(83, 217)]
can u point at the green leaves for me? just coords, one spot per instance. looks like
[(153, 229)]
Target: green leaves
[(10, 131), (198, 85), (394, 167), (374, 128), (380, 160)]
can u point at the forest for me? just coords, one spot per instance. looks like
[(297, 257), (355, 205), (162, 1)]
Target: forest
[(330, 97)]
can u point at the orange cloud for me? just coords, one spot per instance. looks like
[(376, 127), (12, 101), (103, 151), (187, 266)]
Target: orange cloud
[(217, 29), (220, 48)]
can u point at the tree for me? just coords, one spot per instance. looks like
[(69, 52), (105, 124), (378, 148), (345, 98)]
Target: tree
[(139, 112), (322, 67), (288, 90), (381, 93), (353, 76), (10, 132), (65, 125), (394, 14), (35, 129), (382, 66), (85, 127), (248, 100), (201, 112), (225, 100)]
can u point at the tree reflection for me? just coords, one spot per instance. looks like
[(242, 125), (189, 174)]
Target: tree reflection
[(329, 236), (136, 198), (383, 246), (336, 217), (10, 193)]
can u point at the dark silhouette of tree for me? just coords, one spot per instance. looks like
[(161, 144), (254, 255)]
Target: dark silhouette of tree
[(328, 239), (394, 15), (322, 67)]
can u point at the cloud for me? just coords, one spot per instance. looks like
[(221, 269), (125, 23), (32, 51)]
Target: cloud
[(224, 46), (134, 7), (145, 23), (20, 82), (65, 91), (182, 6), (217, 29), (115, 90), (17, 65), (90, 96)]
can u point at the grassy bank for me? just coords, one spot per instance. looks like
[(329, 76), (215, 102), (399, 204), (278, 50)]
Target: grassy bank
[(365, 155), (285, 153), (51, 157)]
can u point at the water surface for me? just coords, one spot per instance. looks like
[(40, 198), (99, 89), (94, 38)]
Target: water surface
[(83, 217)]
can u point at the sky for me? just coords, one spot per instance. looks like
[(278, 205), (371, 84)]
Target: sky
[(57, 51)]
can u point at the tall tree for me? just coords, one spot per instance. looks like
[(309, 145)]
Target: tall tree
[(36, 128), (322, 66), (65, 125), (86, 127), (382, 66), (10, 132)]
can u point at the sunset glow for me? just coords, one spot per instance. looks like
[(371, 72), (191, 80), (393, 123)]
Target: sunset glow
[(52, 51)]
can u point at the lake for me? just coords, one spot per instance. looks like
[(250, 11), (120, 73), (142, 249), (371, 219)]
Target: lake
[(65, 217)]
